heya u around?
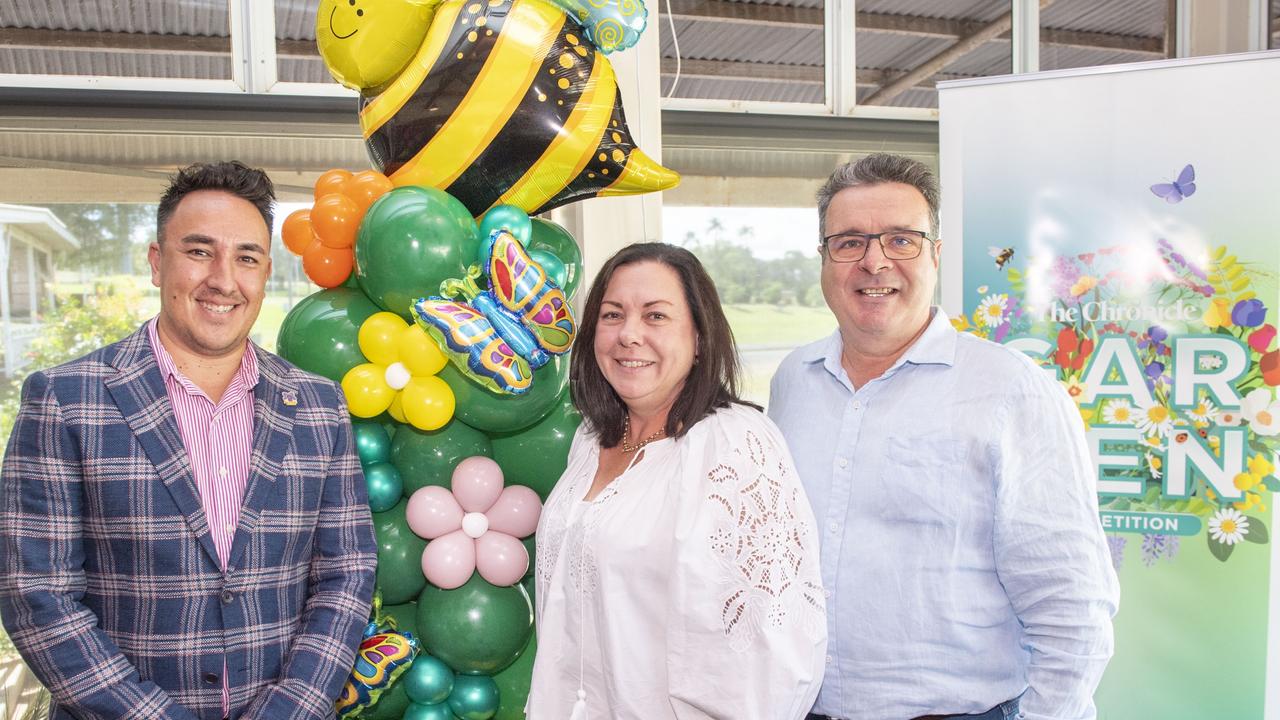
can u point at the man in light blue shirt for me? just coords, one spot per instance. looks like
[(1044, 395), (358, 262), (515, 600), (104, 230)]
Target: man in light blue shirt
[(966, 568)]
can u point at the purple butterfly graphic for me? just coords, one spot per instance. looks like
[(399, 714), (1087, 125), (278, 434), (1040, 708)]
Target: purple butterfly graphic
[(1183, 187)]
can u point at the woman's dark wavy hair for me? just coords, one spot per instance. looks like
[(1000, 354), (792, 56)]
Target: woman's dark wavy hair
[(713, 380)]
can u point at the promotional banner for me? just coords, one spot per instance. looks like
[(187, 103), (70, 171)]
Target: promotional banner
[(1119, 226)]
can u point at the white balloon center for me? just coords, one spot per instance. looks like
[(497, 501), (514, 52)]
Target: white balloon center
[(397, 375), (475, 524)]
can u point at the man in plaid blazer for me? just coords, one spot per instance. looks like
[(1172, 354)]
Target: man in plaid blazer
[(184, 530)]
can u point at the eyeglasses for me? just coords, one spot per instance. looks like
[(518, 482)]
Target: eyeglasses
[(895, 244)]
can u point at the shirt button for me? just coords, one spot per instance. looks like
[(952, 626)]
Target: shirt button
[(826, 592), (844, 462), (230, 528), (857, 404), (228, 597), (222, 472), (211, 678), (829, 660), (834, 527)]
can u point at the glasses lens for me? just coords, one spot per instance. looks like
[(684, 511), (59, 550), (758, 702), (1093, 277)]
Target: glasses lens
[(846, 248), (902, 245)]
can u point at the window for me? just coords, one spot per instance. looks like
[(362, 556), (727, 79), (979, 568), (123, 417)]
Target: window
[(1083, 33)]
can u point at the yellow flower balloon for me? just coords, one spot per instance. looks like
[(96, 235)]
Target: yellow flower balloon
[(400, 377)]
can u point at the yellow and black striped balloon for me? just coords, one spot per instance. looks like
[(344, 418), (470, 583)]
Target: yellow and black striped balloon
[(507, 102)]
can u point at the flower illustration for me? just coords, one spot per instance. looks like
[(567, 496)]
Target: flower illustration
[(1075, 389), (1262, 411), (1229, 418), (991, 310), (1249, 313), (1209, 362), (1115, 544), (1154, 418), (475, 526), (1083, 284), (1260, 466), (1228, 526), (1154, 465), (1118, 412), (1217, 314), (1203, 412), (1260, 339)]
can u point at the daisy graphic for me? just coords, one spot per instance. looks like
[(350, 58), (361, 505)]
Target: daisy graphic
[(991, 310), (1209, 362), (1154, 465), (1204, 411), (1228, 526), (1154, 418), (1118, 412)]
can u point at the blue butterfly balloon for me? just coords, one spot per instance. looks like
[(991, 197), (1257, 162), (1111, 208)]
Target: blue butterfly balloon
[(1176, 191), (499, 336)]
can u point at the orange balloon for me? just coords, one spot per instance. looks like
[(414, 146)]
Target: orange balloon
[(331, 181), (296, 231), (336, 219), (327, 267), (365, 187)]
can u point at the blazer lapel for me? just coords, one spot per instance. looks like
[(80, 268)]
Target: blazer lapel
[(140, 394), (275, 401)]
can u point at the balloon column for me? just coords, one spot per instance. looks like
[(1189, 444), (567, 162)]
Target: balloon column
[(446, 314)]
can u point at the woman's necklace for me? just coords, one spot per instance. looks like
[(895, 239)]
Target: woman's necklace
[(627, 447)]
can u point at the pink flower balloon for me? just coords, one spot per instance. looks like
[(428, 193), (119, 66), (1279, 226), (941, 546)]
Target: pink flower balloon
[(477, 482), (500, 558), (449, 560), (432, 511), (515, 512), (477, 526)]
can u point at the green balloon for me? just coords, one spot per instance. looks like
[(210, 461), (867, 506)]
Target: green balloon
[(537, 455), (411, 239), (550, 236), (405, 615), (551, 265), (474, 697), (492, 412), (418, 711), (428, 681), (385, 486), (502, 217), (319, 333), (477, 628), (399, 556), (391, 704), (429, 457), (513, 684), (373, 444)]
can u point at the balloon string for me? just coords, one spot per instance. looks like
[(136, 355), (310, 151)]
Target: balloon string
[(676, 42)]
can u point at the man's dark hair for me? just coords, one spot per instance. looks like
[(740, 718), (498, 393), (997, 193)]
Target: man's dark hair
[(231, 177), (713, 380), (878, 169)]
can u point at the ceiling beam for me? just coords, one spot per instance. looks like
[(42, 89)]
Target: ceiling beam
[(728, 11), (783, 74), (137, 43)]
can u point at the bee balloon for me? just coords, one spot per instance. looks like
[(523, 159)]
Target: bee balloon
[(493, 101)]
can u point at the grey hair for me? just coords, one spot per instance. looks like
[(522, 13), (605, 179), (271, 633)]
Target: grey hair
[(875, 170)]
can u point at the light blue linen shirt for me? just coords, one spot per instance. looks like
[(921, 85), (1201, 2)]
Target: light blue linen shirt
[(960, 543)]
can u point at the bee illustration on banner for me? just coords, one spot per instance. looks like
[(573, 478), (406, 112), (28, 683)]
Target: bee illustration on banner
[(1002, 255), (499, 336)]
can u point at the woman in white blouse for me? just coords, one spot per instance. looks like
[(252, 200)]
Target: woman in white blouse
[(677, 561)]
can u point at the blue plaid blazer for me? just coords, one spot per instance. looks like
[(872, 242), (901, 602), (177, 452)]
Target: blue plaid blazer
[(109, 582)]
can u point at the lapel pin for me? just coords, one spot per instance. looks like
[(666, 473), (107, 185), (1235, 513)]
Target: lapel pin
[(289, 397)]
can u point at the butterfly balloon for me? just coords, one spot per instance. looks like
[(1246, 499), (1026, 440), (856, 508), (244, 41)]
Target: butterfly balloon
[(499, 336), (382, 657), (1176, 191)]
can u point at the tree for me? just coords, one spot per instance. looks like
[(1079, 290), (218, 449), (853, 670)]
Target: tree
[(113, 236)]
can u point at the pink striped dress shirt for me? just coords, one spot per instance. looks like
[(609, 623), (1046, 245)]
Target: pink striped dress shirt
[(218, 439)]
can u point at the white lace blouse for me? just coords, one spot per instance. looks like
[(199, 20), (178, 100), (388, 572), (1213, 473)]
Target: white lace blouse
[(688, 588)]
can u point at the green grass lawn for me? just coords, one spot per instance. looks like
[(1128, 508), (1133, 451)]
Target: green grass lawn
[(778, 325)]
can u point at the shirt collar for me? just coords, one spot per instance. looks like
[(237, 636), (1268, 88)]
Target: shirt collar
[(246, 376), (935, 346)]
